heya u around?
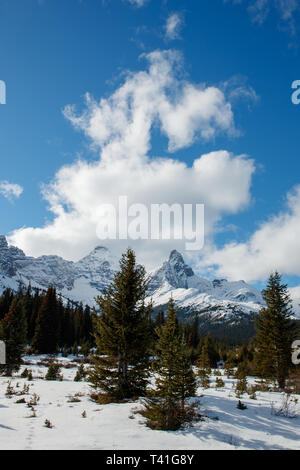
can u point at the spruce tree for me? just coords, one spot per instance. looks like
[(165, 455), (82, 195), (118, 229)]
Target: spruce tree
[(204, 361), (185, 380), (165, 408), (5, 302), (45, 340), (160, 319), (13, 331), (123, 335), (87, 326), (275, 333)]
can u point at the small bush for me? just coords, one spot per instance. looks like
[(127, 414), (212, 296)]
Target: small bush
[(241, 387), (73, 399), (241, 406), (33, 401), (220, 383), (159, 417), (53, 373), (21, 401), (24, 374), (81, 374), (287, 409)]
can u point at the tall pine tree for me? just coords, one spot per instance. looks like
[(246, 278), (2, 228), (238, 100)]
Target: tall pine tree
[(46, 335), (123, 335), (165, 408), (275, 333)]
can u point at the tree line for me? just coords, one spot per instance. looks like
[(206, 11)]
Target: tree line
[(44, 322)]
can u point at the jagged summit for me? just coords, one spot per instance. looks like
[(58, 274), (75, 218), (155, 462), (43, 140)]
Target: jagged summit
[(193, 293), (175, 255)]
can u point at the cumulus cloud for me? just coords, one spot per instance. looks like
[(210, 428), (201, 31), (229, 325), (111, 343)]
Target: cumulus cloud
[(10, 191), (274, 246), (173, 26), (120, 126)]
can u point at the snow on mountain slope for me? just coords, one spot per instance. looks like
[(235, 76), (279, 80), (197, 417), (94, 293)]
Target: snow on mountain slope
[(84, 280), (191, 292)]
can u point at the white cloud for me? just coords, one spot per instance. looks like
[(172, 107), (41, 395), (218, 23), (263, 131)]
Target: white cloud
[(173, 26), (120, 126), (274, 246), (10, 190)]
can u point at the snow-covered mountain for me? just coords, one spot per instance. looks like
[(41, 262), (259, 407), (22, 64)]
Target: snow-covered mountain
[(218, 304), (80, 281), (214, 301), (177, 278)]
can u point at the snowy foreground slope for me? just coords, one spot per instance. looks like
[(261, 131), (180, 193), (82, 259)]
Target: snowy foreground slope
[(84, 280), (113, 427)]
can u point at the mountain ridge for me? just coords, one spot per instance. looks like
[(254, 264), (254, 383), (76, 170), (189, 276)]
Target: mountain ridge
[(215, 301)]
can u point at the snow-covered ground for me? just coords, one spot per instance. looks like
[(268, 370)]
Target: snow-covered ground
[(115, 427)]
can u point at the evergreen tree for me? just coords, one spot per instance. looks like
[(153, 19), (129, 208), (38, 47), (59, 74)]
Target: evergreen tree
[(54, 372), (87, 327), (13, 331), (5, 302), (184, 380), (241, 387), (45, 340), (193, 338), (160, 319), (68, 330), (78, 323), (204, 360), (165, 408), (32, 313), (275, 333), (123, 335), (80, 374)]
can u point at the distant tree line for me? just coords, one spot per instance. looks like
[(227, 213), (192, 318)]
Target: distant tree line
[(49, 323)]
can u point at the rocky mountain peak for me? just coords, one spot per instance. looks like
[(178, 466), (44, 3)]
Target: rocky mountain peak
[(175, 272), (178, 264)]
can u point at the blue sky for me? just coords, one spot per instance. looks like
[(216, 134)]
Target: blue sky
[(52, 52)]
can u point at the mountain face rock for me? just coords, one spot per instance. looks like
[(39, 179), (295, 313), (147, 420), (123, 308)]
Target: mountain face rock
[(213, 301)]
